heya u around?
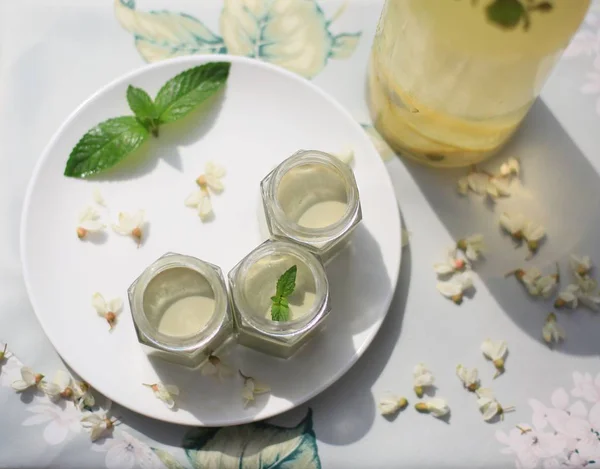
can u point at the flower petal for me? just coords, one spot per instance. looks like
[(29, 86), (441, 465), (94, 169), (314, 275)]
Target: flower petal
[(214, 169), (99, 304), (214, 183), (88, 213), (28, 375), (443, 269), (115, 305), (52, 390), (205, 211), (193, 199), (92, 226), (20, 385), (97, 196), (534, 231), (449, 289)]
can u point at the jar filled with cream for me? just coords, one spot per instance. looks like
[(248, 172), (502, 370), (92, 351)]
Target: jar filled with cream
[(280, 297), (180, 309), (312, 199)]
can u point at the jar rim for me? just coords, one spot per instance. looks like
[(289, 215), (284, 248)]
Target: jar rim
[(189, 343)]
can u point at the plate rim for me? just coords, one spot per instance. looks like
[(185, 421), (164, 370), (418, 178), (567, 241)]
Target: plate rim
[(199, 59)]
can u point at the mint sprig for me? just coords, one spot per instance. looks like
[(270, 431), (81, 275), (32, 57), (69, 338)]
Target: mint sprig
[(111, 141), (280, 309)]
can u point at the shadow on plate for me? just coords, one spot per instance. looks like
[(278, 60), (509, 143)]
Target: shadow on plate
[(353, 392)]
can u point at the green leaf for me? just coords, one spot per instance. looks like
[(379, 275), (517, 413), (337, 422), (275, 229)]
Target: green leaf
[(142, 106), (254, 446), (180, 95), (105, 145), (287, 282), (506, 13), (280, 309), (167, 459)]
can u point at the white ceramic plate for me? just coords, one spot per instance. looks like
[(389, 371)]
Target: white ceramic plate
[(265, 115)]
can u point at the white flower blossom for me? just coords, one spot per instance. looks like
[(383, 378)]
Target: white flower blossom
[(109, 311), (580, 265), (489, 406), (478, 182), (510, 167), (463, 186), (585, 291), (88, 222), (422, 377), (214, 366), (97, 196), (513, 224), (82, 394), (437, 406), (552, 332), (59, 387), (456, 286), (200, 199), (165, 393), (468, 377), (390, 404), (495, 350), (482, 182), (211, 178), (452, 264), (98, 423), (521, 228), (28, 380), (252, 388), (536, 283), (130, 224), (497, 188), (473, 246)]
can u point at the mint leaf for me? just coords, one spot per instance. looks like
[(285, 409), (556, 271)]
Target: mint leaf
[(142, 106), (105, 145), (280, 309), (180, 95), (506, 13), (287, 282)]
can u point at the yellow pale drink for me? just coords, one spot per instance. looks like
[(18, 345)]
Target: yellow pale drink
[(448, 87)]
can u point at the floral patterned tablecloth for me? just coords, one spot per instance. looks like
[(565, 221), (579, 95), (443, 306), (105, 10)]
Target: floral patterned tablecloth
[(55, 53)]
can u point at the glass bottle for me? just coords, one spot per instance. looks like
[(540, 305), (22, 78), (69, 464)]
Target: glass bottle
[(451, 80)]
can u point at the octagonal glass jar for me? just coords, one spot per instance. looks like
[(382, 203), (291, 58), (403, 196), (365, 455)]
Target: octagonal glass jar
[(312, 199), (253, 282), (181, 310)]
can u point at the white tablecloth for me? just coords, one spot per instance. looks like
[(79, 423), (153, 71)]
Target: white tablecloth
[(55, 53)]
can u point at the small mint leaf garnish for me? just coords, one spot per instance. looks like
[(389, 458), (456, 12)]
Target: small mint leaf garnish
[(280, 310)]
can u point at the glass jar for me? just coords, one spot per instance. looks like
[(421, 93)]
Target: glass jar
[(180, 309), (448, 84), (253, 282), (312, 199)]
